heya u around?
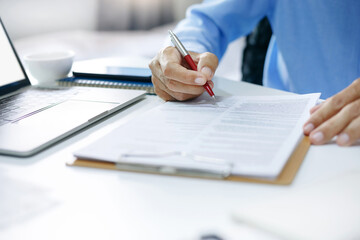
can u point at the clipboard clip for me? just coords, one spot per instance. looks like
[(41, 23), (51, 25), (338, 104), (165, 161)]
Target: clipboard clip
[(174, 163)]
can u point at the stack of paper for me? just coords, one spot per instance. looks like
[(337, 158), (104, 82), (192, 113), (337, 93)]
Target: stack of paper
[(247, 136)]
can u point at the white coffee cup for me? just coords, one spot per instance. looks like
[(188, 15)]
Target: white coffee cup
[(50, 66)]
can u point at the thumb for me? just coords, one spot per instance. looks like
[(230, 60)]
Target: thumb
[(207, 64)]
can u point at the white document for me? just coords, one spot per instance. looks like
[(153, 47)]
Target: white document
[(329, 210), (253, 136)]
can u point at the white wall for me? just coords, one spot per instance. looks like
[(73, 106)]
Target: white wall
[(31, 17), (28, 17), (180, 6), (134, 14)]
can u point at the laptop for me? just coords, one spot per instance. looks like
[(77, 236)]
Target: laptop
[(34, 117)]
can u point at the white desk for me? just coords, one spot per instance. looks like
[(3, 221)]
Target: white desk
[(41, 198)]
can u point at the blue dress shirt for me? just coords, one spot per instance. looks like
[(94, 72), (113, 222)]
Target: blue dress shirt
[(315, 46)]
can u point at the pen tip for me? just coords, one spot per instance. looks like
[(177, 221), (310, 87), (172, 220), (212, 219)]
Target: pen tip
[(213, 96)]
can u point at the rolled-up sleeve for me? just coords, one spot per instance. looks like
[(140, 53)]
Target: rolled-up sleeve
[(213, 24)]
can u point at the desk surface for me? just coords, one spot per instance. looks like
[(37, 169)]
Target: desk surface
[(42, 198)]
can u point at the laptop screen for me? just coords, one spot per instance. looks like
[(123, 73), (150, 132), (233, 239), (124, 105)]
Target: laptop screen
[(11, 72)]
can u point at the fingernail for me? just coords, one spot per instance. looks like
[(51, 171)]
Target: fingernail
[(343, 139), (200, 81), (317, 137), (308, 128), (211, 84), (207, 71)]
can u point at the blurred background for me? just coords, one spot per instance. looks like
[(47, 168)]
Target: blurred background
[(29, 17), (101, 28)]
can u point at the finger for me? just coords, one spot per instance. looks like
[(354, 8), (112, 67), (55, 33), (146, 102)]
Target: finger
[(332, 127), (170, 61), (180, 87), (169, 54), (159, 89), (192, 91), (207, 64), (211, 83), (350, 134), (315, 108), (174, 85), (155, 68), (332, 106), (163, 95)]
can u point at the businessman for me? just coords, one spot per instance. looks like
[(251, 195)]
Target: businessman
[(315, 47)]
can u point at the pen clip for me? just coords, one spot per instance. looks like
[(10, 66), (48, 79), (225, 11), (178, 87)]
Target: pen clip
[(175, 40)]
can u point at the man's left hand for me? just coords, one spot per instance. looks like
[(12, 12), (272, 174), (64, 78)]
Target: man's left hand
[(337, 116)]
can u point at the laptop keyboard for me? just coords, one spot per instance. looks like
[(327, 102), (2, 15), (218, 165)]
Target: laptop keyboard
[(24, 104)]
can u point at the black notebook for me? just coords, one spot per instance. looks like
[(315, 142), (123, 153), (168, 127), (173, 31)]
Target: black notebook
[(108, 83)]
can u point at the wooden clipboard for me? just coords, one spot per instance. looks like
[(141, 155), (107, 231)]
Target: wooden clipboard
[(286, 176)]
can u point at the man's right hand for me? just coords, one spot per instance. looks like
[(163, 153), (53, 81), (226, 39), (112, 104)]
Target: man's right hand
[(172, 78)]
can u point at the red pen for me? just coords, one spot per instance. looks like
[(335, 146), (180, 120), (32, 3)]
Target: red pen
[(180, 47)]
